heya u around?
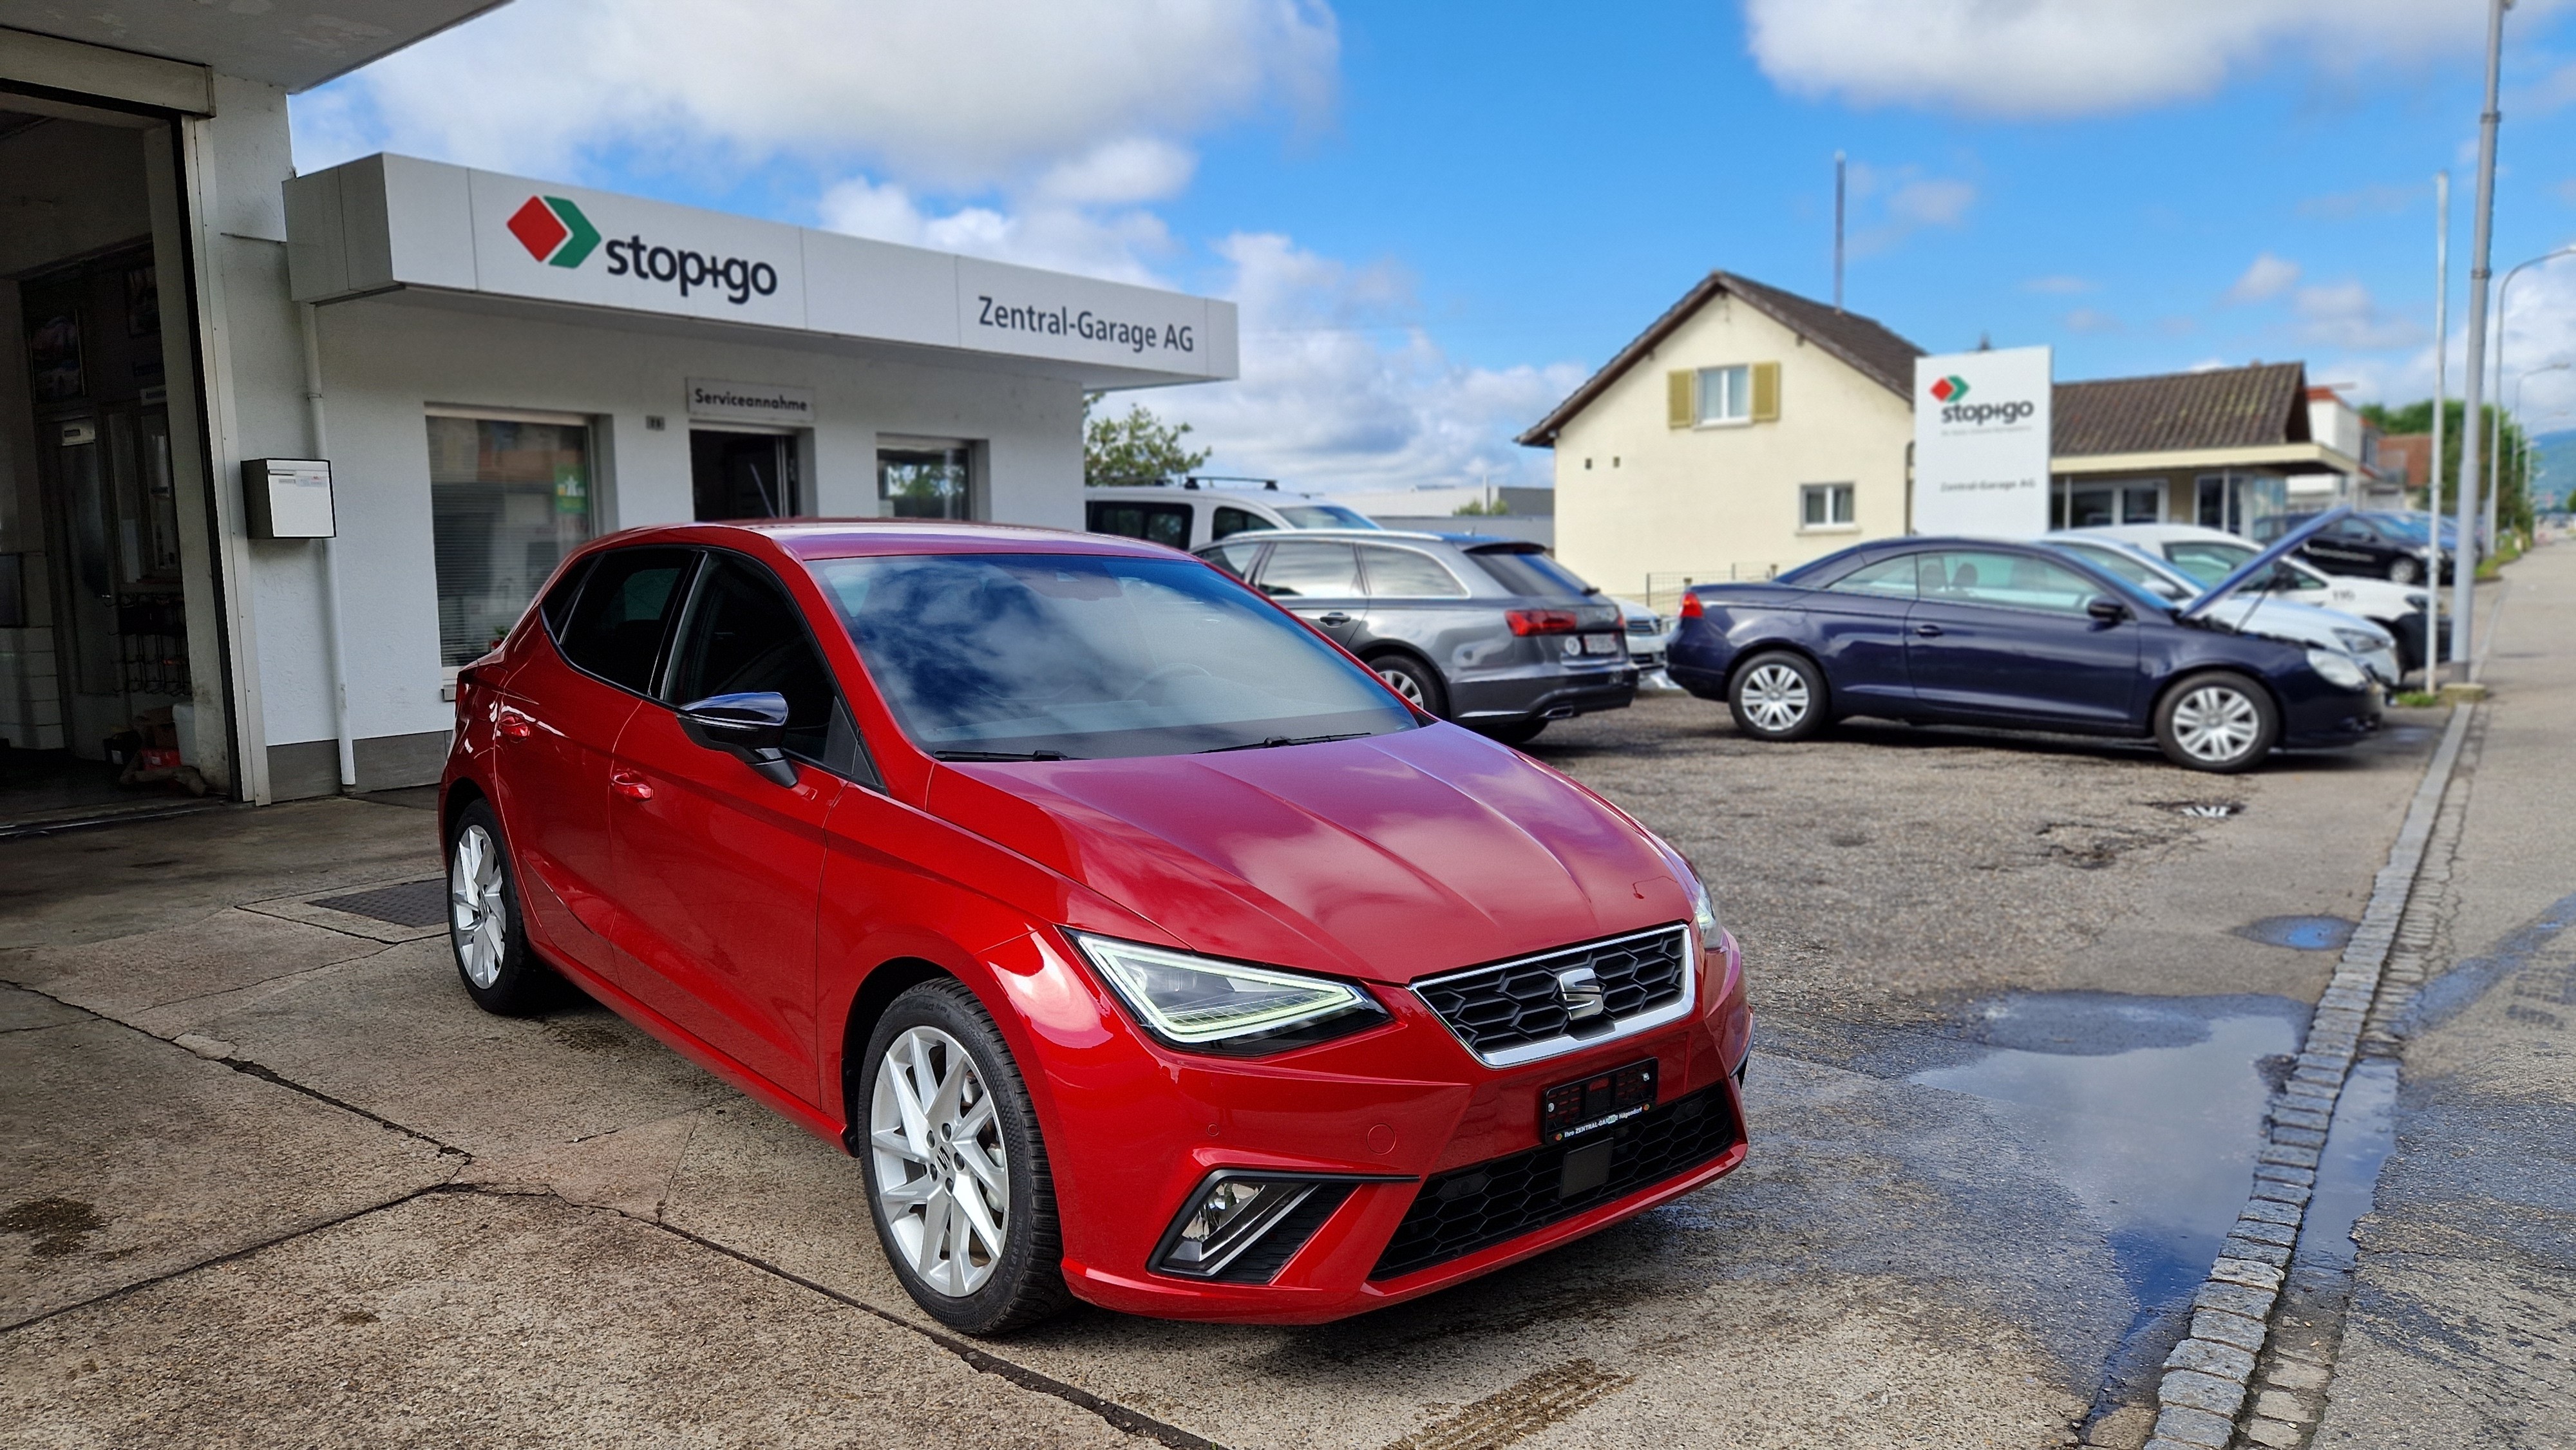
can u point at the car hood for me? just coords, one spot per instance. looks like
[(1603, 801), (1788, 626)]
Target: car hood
[(2261, 563), (1387, 858), (2289, 619)]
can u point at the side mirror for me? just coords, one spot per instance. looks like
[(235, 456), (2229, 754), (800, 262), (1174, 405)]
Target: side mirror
[(2106, 610), (749, 727)]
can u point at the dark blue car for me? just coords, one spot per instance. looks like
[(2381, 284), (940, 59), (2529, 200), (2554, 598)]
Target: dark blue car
[(2018, 636)]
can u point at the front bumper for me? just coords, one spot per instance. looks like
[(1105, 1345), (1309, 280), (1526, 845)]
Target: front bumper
[(2327, 720), (1136, 1130)]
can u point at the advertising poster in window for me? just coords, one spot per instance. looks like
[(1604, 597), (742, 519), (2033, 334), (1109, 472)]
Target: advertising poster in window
[(1981, 443)]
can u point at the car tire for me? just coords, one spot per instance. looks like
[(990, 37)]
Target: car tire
[(1418, 683), (1778, 696), (1517, 733), (2218, 721), (938, 1037), (484, 928), (2404, 571)]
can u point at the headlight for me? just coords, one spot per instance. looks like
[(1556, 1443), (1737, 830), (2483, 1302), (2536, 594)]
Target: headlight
[(2337, 670), (1703, 906), (2360, 643), (1192, 1001), (2419, 600)]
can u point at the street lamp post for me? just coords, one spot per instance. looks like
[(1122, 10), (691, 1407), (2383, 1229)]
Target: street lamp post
[(2481, 234), (2495, 453)]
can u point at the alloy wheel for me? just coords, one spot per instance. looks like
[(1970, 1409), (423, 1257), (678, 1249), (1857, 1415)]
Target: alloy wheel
[(943, 1181), (1776, 697), (2216, 723), (476, 912), (2404, 571), (1406, 685)]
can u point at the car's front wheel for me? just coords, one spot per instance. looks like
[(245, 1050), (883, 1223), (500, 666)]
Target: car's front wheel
[(2217, 722), (2404, 571), (501, 973), (955, 1166), (1778, 696)]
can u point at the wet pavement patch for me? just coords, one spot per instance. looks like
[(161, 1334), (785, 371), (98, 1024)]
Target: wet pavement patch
[(59, 1226), (2300, 933), (2358, 1142), (2150, 1111)]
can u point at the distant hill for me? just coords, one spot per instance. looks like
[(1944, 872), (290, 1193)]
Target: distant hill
[(2553, 466)]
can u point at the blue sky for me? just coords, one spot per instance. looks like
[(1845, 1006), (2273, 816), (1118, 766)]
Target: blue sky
[(1437, 218)]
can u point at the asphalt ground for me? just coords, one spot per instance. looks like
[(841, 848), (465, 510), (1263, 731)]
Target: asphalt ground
[(267, 1178)]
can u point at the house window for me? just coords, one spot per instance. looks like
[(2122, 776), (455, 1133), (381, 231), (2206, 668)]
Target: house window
[(1726, 394), (925, 478), (1825, 506), (508, 498)]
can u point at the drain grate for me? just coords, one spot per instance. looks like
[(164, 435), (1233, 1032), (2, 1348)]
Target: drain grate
[(2203, 810), (413, 903)]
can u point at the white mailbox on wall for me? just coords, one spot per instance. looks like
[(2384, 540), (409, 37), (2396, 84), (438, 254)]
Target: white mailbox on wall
[(288, 498)]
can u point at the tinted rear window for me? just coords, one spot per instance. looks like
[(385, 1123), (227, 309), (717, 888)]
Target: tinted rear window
[(1534, 574)]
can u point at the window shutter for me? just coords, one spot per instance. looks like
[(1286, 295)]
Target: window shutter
[(1680, 408), (1766, 392)]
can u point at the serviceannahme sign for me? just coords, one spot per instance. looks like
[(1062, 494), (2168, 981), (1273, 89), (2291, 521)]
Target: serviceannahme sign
[(1981, 443), (394, 221), (750, 402)]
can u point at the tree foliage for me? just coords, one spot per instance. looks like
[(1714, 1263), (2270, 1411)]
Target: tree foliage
[(1136, 448), (1492, 508), (2513, 503)]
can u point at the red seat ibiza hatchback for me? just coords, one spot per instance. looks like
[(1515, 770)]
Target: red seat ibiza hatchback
[(1141, 945)]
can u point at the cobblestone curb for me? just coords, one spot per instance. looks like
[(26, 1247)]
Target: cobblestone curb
[(2205, 1379)]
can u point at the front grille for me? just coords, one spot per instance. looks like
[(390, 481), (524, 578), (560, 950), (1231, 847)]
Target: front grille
[(1467, 1209), (1645, 624), (1516, 1012)]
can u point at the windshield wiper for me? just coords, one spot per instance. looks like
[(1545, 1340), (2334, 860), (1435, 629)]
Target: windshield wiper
[(1275, 741), (1001, 755)]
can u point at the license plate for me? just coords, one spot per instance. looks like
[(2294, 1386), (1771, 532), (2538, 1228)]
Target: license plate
[(1572, 1109), (1603, 644)]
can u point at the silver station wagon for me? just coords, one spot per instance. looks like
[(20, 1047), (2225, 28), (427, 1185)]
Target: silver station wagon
[(1493, 634)]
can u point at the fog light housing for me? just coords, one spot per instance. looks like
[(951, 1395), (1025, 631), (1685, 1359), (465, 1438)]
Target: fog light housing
[(1241, 1227)]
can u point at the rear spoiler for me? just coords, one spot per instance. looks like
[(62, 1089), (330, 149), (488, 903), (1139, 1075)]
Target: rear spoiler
[(2261, 564)]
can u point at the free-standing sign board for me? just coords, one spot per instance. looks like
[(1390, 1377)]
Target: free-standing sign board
[(288, 498), (1981, 443)]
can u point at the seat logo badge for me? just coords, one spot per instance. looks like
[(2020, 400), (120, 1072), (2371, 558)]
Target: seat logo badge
[(1579, 988), (554, 231)]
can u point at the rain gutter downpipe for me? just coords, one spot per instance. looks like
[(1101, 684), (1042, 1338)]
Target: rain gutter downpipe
[(331, 625)]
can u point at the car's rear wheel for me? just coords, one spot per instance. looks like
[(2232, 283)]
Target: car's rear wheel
[(956, 1169), (1778, 696), (1519, 732), (1417, 682), (2404, 571), (2217, 722), (501, 974)]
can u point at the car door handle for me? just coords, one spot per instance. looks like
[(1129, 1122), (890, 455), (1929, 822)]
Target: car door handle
[(1332, 616), (1927, 630), (630, 785)]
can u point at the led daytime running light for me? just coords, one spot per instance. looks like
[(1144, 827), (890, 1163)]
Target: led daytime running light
[(1193, 1000)]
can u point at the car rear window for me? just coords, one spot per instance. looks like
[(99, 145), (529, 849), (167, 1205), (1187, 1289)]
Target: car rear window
[(1532, 573), (1160, 523), (1041, 656)]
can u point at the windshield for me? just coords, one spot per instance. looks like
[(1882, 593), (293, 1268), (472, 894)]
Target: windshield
[(1532, 573), (1324, 516), (1047, 656), (2207, 560), (2130, 569)]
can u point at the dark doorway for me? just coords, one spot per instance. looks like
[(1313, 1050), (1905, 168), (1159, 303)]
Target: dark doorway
[(742, 475)]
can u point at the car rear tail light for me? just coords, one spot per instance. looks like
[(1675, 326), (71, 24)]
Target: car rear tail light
[(1692, 608), (1540, 621)]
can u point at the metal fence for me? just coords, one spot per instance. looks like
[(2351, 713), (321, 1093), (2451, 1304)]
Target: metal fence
[(1664, 591)]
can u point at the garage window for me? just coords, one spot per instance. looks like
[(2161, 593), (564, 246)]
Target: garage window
[(509, 497), (925, 478)]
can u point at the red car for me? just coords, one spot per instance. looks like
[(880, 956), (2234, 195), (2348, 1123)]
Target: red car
[(1143, 946)]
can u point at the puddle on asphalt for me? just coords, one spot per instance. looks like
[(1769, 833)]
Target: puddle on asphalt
[(2358, 1142), (2303, 933), (2150, 1110)]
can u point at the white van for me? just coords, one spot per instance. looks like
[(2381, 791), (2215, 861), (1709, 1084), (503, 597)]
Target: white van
[(1190, 515)]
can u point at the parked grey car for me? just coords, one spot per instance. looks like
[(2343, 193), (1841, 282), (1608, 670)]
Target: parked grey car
[(1493, 634)]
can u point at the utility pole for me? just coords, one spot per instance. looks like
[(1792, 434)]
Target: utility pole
[(2464, 553), (1838, 231), (2441, 406)]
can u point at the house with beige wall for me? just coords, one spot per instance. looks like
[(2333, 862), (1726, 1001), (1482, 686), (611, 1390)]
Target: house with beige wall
[(1748, 430)]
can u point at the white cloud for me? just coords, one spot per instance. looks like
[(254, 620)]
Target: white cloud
[(1889, 205), (2060, 285), (2345, 315), (2076, 57), (2374, 200), (2268, 277), (959, 95), (2086, 319), (1340, 393)]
